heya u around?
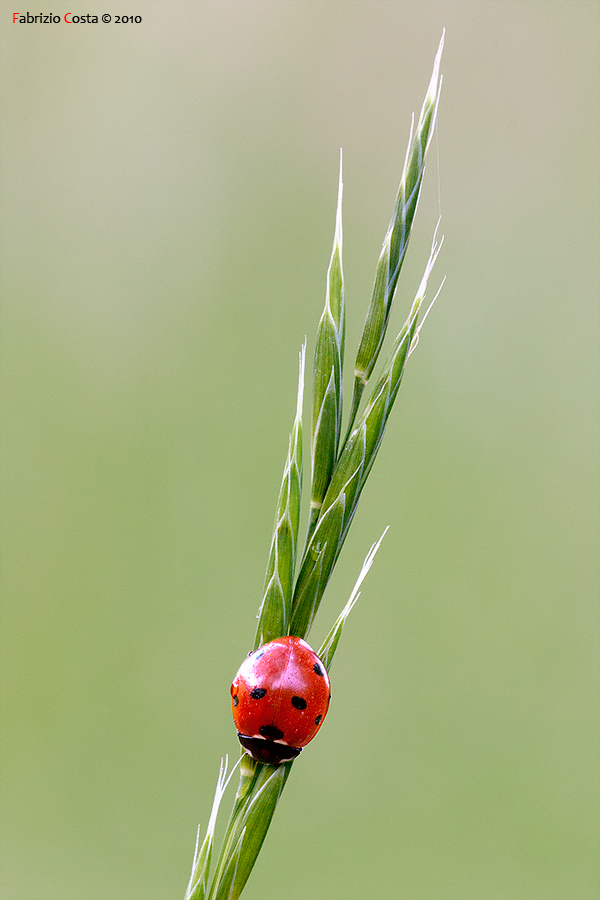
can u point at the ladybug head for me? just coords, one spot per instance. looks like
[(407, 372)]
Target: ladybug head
[(266, 751)]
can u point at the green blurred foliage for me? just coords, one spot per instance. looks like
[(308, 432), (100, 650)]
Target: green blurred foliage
[(169, 196)]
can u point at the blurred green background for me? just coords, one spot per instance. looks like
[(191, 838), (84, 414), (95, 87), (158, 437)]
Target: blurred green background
[(169, 198)]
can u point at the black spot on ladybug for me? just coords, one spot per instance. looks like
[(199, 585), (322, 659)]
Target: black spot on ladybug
[(271, 732), (299, 702), (236, 700), (258, 693), (317, 668), (318, 720)]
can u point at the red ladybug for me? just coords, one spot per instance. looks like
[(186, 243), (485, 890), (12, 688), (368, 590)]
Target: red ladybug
[(280, 697)]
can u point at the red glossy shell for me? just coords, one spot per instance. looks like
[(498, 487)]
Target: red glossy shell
[(281, 687)]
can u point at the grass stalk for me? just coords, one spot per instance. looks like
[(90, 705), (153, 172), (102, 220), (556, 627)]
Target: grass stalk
[(338, 475)]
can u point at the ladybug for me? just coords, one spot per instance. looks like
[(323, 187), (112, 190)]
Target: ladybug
[(280, 697)]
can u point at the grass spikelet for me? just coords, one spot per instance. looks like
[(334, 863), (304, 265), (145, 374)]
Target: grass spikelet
[(198, 882), (396, 240), (274, 612), (351, 472), (328, 371), (327, 649), (257, 797)]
